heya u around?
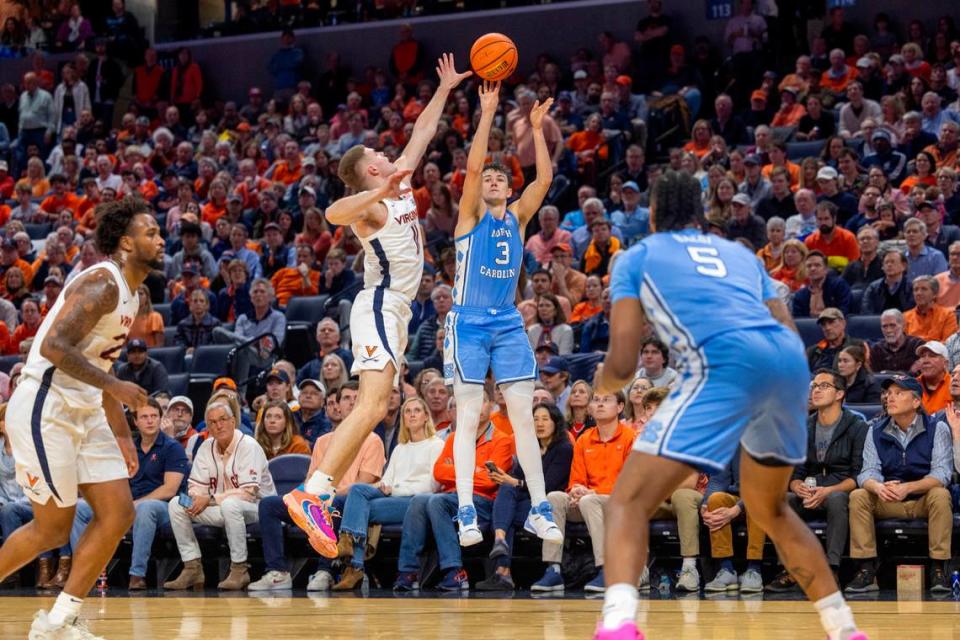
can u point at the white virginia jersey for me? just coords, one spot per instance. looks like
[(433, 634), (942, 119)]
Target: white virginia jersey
[(101, 347), (393, 256)]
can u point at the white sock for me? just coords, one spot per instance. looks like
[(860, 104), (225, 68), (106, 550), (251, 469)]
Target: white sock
[(619, 605), (320, 484), (835, 616), (469, 404), (690, 563), (65, 610), (519, 399)]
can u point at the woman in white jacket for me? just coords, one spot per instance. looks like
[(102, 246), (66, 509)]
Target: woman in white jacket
[(409, 472), (70, 98)]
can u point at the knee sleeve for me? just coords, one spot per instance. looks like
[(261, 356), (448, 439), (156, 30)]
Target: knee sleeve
[(469, 405), (519, 399)]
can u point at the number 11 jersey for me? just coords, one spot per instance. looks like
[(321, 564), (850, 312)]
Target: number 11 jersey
[(488, 263)]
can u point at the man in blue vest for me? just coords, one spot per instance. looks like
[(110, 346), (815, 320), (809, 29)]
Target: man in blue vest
[(907, 464)]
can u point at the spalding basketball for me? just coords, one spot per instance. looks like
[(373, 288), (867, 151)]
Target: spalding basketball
[(493, 57)]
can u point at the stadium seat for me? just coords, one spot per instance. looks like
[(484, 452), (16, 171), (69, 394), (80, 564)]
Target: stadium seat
[(583, 365), (211, 360), (300, 343), (800, 150), (169, 333), (7, 362), (170, 357), (809, 331), (306, 309), (288, 471), (38, 231), (164, 311), (864, 327), (868, 410), (178, 384), (856, 295)]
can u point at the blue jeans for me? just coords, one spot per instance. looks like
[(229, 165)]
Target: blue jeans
[(272, 515), (151, 515), (366, 504), (435, 511), (14, 515), (510, 510)]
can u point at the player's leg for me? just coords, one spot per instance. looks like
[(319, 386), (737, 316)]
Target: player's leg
[(49, 529), (643, 484), (469, 407), (764, 490)]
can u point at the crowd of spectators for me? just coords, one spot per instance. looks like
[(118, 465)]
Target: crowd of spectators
[(840, 174)]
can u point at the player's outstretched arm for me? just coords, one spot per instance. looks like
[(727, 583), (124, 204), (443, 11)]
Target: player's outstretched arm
[(350, 209), (426, 125), (628, 324), (89, 300), (529, 203), (470, 197), (781, 314)]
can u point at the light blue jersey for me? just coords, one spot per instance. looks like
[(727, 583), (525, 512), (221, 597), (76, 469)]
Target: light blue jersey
[(484, 330), (743, 375), (488, 263)]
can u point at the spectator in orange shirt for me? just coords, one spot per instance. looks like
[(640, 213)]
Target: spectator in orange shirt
[(836, 243), (699, 144), (249, 184), (6, 181), (435, 512), (287, 170), (30, 314), (60, 199), (90, 199), (10, 257), (598, 456), (301, 280), (933, 360), (835, 79), (929, 320), (790, 111), (216, 207), (778, 158), (591, 304)]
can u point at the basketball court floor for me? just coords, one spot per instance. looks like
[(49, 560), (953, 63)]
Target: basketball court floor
[(382, 615)]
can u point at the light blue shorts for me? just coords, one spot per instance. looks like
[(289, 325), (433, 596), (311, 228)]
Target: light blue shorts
[(477, 340)]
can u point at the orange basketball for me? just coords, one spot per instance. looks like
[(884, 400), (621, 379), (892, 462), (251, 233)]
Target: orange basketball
[(493, 57)]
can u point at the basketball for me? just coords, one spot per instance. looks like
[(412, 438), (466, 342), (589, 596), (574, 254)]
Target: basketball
[(493, 57)]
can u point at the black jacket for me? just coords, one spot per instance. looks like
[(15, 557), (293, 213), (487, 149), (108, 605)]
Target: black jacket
[(877, 298), (864, 390), (152, 376), (844, 456)]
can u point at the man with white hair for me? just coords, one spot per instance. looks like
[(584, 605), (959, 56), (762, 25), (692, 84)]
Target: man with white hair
[(106, 178), (541, 244), (929, 320), (592, 209), (933, 360), (934, 115), (805, 222), (923, 260), (897, 351)]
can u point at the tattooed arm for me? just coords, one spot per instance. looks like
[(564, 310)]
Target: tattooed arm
[(89, 300)]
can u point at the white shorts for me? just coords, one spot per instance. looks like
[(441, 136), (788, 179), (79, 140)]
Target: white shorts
[(378, 330), (58, 447)]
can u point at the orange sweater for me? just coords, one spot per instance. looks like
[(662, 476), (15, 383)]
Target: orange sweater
[(493, 446), (288, 282), (938, 323), (596, 464)]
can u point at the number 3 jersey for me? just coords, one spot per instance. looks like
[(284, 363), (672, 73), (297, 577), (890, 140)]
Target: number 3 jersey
[(694, 286), (488, 263), (101, 347)]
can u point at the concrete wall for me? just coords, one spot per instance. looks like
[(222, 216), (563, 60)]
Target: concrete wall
[(232, 64)]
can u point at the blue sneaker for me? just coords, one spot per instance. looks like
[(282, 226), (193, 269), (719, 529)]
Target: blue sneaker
[(597, 585), (469, 531), (540, 522), (454, 580), (552, 580), (406, 582)]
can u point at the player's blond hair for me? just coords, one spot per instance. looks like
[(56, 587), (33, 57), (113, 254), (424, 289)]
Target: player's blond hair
[(350, 166)]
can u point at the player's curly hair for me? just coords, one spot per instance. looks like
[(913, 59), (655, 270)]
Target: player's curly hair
[(113, 221), (676, 198)]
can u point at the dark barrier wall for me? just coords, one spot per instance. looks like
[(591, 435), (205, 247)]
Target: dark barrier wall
[(231, 65)]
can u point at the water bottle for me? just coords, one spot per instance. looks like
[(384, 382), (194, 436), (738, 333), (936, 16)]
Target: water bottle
[(811, 482), (102, 584), (955, 584), (664, 586)]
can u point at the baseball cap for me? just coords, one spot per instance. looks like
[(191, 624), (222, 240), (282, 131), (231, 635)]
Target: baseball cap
[(136, 345), (565, 96), (3, 165), (190, 266), (630, 184), (556, 364), (254, 91), (896, 59), (271, 225), (624, 80), (312, 382), (143, 121), (759, 94), (580, 75), (753, 158), (243, 126), (278, 374), (827, 173), (927, 204), (308, 190), (881, 133), (830, 313), (549, 346), (904, 382), (181, 400), (54, 279), (309, 161), (864, 63), (234, 197), (934, 346), (224, 381), (9, 243), (169, 172), (562, 246), (742, 198)]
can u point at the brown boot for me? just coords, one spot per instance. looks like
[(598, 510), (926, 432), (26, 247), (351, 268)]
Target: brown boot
[(237, 579), (60, 578), (191, 577), (45, 572), (345, 546), (351, 579), (137, 583)]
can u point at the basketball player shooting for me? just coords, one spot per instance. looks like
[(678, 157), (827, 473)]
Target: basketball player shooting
[(66, 422), (743, 381), (383, 214), (484, 330)]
